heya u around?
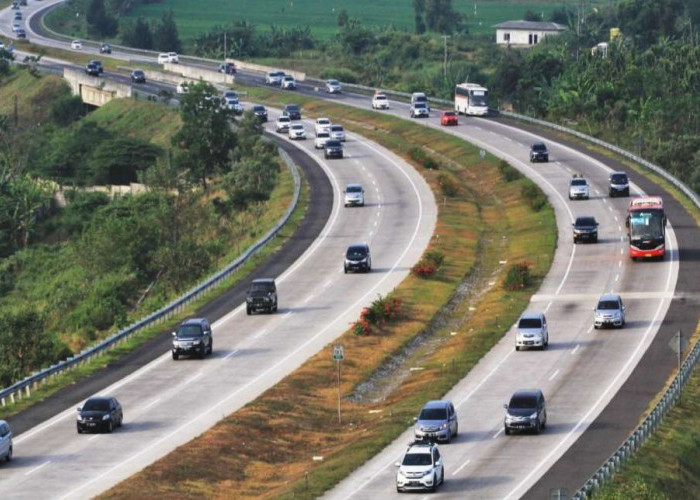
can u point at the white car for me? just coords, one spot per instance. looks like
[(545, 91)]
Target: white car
[(288, 83), (419, 110), (76, 45), (421, 468), (323, 125), (15, 27), (380, 101), (168, 57), (230, 94), (337, 133), (579, 188), (183, 88), (282, 124), (354, 195), (274, 77), (232, 103), (321, 139), (297, 131), (333, 87)]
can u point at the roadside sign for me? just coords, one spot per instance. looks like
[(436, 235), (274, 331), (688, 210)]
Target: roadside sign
[(338, 353), (482, 154)]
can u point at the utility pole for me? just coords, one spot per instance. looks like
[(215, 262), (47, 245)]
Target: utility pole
[(444, 61), (225, 67)]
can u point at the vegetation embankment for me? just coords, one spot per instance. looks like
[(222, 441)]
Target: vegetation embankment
[(72, 275), (483, 221)]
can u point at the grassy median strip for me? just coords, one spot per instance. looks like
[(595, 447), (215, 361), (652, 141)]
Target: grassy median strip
[(266, 449)]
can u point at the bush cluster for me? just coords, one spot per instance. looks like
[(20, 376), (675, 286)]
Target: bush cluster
[(448, 186), (518, 276), (533, 195), (424, 159), (509, 173), (381, 311), (429, 264)]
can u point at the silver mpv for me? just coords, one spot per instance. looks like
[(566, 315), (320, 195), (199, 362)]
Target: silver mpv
[(610, 311)]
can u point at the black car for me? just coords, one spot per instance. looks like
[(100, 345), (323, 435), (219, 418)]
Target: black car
[(260, 113), (585, 229), (619, 184), (228, 68), (105, 48), (138, 76), (333, 149), (21, 33), (292, 111), (98, 64), (358, 258), (193, 337), (100, 414), (261, 296), (539, 152), (526, 412), (92, 69)]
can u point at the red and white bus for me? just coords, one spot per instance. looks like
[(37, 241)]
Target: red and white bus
[(646, 227), (471, 99)]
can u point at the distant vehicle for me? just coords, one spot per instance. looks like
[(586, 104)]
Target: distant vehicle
[(183, 88), (227, 68), (321, 139), (471, 99), (138, 76), (260, 113), (619, 184), (333, 87), (297, 131), (337, 133), (193, 337), (610, 311), (15, 5), (18, 16), (646, 227), (23, 2), (76, 45), (105, 48), (421, 468), (282, 124), (288, 83), (579, 188), (233, 104), (230, 94), (526, 411), (168, 57), (585, 229), (532, 331), (358, 258), (448, 118), (274, 78), (420, 97), (380, 101), (5, 441), (292, 111), (16, 27), (437, 421), (332, 149), (99, 65), (21, 33), (419, 110), (539, 152), (323, 125), (354, 195), (100, 414), (92, 69), (261, 295)]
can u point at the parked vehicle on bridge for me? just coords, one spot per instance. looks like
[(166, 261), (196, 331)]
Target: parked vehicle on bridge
[(610, 311), (526, 411), (100, 414), (261, 296), (5, 441), (646, 228), (532, 331), (193, 337), (437, 421), (421, 468)]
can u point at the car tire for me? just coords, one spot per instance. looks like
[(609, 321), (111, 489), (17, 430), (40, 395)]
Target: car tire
[(211, 347), (202, 352), (442, 476), (110, 427), (595, 240), (506, 430), (345, 269), (595, 327), (121, 420), (80, 431), (517, 348), (8, 458), (434, 486), (248, 310), (538, 429), (176, 356), (274, 309), (449, 438)]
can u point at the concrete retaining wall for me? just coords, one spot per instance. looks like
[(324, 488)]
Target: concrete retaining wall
[(259, 68), (93, 90), (197, 73)]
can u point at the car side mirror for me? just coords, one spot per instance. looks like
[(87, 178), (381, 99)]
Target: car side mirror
[(415, 419), (597, 224), (397, 464), (174, 334), (80, 408)]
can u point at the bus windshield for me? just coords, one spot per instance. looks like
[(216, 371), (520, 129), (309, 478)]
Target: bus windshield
[(479, 98), (646, 224)]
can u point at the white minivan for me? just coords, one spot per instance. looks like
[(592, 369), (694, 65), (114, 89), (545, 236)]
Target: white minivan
[(5, 441), (168, 57)]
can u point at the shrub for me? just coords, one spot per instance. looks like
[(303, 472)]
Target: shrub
[(423, 270), (361, 327), (434, 257), (509, 173), (518, 276), (382, 310), (533, 196), (447, 185), (422, 158), (428, 264), (341, 74)]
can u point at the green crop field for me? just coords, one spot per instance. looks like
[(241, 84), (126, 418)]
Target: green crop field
[(193, 18)]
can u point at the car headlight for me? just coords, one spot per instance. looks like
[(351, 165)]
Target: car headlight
[(105, 417), (533, 416), (443, 426), (80, 418), (400, 475), (427, 472), (196, 342)]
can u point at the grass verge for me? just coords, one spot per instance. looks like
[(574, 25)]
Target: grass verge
[(482, 222)]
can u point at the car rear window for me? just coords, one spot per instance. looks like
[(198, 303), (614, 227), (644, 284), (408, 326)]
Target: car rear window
[(353, 189), (356, 252), (337, 128), (292, 108), (433, 414), (520, 402), (333, 144), (608, 305), (539, 147), (530, 323), (619, 178)]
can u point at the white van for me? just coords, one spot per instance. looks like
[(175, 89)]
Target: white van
[(168, 57)]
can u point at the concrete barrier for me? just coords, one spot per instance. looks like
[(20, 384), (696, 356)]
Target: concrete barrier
[(197, 73), (93, 90), (259, 68)]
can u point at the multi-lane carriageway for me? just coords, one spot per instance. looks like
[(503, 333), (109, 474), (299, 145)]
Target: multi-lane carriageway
[(580, 373)]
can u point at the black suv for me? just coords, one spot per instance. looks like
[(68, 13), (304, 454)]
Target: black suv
[(260, 113), (105, 48), (100, 414), (539, 152), (98, 63), (585, 229), (619, 184), (333, 149), (292, 111), (358, 258), (138, 76), (92, 69), (193, 336), (261, 295), (526, 411), (228, 68)]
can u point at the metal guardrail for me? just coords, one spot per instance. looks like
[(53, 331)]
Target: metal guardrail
[(16, 391)]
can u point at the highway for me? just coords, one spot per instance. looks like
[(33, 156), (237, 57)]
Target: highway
[(580, 373)]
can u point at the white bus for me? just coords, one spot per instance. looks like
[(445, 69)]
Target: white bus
[(471, 99)]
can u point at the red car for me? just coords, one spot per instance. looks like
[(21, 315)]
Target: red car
[(448, 118)]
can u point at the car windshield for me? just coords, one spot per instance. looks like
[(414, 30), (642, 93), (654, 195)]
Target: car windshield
[(323, 121), (356, 253), (353, 189), (138, 73), (189, 331), (449, 113), (420, 98), (608, 305), (419, 105), (261, 287), (96, 405), (530, 323), (283, 119), (288, 78), (230, 93), (619, 179), (523, 402), (297, 126), (258, 108), (417, 459), (585, 221), (337, 128), (380, 97), (333, 82), (433, 414), (292, 108), (539, 147), (333, 144), (578, 182)]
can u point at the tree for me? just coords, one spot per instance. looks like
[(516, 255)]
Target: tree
[(343, 18), (531, 16), (137, 35), (441, 17), (205, 139), (165, 36), (419, 15), (99, 22)]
